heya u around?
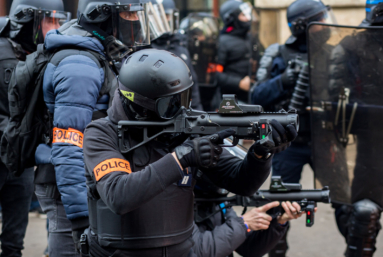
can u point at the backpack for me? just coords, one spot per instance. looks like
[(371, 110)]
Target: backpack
[(30, 122), (8, 62)]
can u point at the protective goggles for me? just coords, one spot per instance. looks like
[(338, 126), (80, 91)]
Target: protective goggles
[(131, 24), (46, 20), (165, 107)]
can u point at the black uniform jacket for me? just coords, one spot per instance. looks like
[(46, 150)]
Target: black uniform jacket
[(234, 55), (146, 190)]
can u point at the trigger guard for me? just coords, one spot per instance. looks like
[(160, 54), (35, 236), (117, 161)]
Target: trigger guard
[(233, 144)]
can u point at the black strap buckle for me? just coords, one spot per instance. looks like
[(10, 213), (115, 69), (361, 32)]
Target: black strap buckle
[(84, 246)]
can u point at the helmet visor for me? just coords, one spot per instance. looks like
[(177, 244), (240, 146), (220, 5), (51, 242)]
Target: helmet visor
[(158, 24), (131, 24), (46, 20), (247, 10), (168, 107), (173, 19), (325, 16)]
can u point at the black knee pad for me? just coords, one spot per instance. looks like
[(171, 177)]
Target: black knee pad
[(363, 228), (342, 215)]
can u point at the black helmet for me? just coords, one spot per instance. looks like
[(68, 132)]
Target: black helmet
[(27, 11), (156, 80), (301, 12), (374, 12), (229, 10)]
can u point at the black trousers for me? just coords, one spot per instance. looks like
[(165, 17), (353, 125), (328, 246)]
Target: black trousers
[(15, 199)]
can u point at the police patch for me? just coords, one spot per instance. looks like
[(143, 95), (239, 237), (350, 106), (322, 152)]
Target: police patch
[(111, 165), (70, 136)]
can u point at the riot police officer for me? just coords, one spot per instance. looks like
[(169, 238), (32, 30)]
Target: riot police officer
[(277, 78), (234, 49), (359, 73), (19, 35), (79, 84), (141, 202), (170, 40), (220, 231)]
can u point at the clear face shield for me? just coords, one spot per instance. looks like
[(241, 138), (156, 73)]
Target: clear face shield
[(131, 24), (157, 21), (46, 20), (326, 16), (246, 11), (173, 19)]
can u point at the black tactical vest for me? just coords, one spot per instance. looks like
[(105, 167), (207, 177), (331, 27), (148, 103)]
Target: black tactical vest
[(165, 220)]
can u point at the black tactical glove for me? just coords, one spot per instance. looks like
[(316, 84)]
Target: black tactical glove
[(202, 151), (278, 139), (289, 77), (76, 235)]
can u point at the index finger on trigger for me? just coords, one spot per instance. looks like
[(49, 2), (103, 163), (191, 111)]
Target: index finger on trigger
[(269, 206)]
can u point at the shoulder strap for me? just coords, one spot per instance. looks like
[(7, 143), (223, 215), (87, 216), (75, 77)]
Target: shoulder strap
[(110, 78)]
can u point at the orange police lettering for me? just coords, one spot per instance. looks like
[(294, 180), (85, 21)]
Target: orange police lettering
[(111, 165)]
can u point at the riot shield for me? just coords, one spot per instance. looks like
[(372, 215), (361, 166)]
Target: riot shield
[(346, 74)]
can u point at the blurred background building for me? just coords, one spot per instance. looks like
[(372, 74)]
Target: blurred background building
[(273, 25)]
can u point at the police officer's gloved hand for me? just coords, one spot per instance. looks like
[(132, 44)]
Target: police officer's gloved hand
[(202, 151), (289, 78), (278, 140)]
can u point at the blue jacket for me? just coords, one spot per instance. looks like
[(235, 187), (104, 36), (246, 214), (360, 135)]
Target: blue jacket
[(270, 92), (71, 91)]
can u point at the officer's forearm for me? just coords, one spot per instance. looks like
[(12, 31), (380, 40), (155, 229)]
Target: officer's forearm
[(138, 187)]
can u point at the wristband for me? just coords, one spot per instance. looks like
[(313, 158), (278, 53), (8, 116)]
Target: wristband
[(247, 226)]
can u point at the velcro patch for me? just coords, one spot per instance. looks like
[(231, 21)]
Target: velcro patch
[(70, 136), (110, 165)]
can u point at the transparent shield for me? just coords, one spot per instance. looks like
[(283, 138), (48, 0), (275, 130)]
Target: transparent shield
[(346, 71), (131, 24)]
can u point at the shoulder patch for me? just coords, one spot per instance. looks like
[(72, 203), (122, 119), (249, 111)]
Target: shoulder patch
[(111, 165)]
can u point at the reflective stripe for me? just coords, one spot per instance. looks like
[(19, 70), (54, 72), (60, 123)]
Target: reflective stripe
[(111, 165), (70, 136)]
